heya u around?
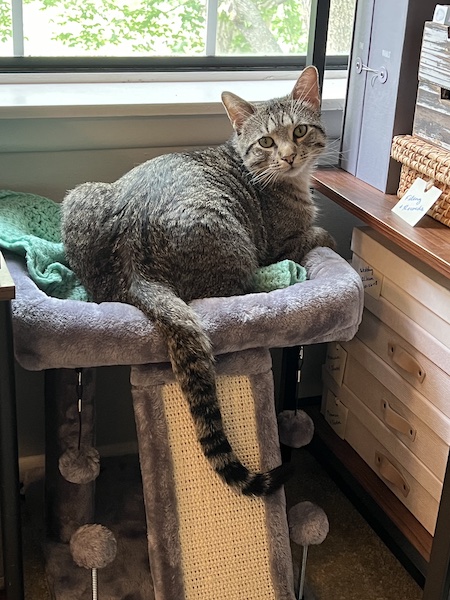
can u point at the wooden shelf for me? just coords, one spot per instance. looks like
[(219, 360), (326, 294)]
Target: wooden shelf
[(7, 289), (429, 240)]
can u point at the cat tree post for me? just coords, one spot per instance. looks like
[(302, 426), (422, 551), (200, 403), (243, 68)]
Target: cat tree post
[(205, 540), (68, 505)]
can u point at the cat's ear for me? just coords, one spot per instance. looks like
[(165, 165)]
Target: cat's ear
[(238, 110), (307, 88)]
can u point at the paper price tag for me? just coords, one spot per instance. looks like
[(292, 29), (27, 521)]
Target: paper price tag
[(416, 201)]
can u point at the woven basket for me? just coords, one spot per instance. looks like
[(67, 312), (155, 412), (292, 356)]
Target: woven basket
[(422, 159)]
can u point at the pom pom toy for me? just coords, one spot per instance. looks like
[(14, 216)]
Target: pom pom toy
[(93, 547), (295, 428), (80, 465), (308, 525)]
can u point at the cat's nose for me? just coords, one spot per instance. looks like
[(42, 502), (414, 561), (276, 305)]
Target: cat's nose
[(289, 158)]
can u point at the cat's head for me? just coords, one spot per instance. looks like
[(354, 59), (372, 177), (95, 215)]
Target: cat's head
[(280, 138)]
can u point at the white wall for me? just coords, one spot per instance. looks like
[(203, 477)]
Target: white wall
[(48, 155)]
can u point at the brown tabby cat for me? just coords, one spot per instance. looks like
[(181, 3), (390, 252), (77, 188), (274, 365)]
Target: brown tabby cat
[(199, 224)]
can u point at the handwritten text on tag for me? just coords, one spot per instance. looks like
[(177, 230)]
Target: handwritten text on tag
[(416, 201)]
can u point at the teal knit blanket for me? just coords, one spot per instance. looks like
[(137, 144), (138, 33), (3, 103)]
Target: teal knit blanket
[(30, 227)]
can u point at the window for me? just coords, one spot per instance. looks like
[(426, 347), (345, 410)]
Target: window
[(181, 33)]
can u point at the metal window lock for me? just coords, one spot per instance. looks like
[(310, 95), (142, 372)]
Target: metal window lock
[(380, 74)]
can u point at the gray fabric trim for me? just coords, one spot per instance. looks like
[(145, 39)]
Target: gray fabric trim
[(276, 516), (157, 477), (51, 333)]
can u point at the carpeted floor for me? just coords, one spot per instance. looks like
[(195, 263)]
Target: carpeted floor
[(351, 564)]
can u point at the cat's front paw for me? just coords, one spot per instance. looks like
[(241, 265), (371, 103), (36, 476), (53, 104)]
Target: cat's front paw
[(323, 238)]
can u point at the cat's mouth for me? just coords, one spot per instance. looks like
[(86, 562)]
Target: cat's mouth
[(294, 169), (280, 170)]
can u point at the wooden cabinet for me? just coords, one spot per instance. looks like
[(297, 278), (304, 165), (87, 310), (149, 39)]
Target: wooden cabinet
[(395, 389), (385, 414)]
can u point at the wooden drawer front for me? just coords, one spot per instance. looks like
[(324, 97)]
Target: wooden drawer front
[(436, 414), (410, 331), (372, 279), (394, 414), (416, 311), (410, 492), (356, 407), (411, 364), (379, 288), (419, 281), (335, 361)]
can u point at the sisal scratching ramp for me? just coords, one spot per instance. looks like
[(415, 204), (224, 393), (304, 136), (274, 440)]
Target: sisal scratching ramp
[(205, 541)]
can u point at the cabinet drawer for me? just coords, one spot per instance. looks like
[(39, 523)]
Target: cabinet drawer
[(409, 330), (424, 285), (417, 488), (413, 366), (433, 416), (409, 491), (343, 397), (395, 414), (378, 288)]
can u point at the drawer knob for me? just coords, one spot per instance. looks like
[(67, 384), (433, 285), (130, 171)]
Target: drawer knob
[(390, 473), (396, 422), (406, 361)]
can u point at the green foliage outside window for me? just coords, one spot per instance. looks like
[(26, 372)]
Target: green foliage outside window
[(5, 21), (178, 27)]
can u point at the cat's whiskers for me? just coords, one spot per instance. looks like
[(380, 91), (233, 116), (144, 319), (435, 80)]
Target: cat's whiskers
[(266, 175), (264, 179), (332, 153)]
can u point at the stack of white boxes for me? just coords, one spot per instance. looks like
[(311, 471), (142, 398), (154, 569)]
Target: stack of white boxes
[(387, 392)]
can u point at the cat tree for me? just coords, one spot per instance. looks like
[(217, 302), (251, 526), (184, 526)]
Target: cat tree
[(204, 541)]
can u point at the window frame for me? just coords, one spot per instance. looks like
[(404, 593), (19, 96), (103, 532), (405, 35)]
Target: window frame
[(316, 55), (21, 64)]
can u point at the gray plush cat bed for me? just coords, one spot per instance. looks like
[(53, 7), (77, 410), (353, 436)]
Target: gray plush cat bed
[(59, 336)]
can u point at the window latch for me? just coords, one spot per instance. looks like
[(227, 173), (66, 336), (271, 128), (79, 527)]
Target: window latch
[(380, 74)]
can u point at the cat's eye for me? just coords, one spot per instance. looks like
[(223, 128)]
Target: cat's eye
[(300, 131), (266, 142)]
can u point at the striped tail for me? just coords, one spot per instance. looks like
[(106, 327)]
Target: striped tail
[(193, 365)]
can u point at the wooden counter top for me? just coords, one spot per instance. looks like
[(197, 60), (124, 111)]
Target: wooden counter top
[(429, 240)]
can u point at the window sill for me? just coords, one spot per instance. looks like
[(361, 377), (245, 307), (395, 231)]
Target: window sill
[(53, 99)]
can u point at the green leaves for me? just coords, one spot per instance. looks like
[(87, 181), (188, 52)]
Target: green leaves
[(155, 27), (5, 21), (178, 27)]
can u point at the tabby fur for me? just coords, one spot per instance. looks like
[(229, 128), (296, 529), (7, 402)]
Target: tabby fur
[(199, 224)]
